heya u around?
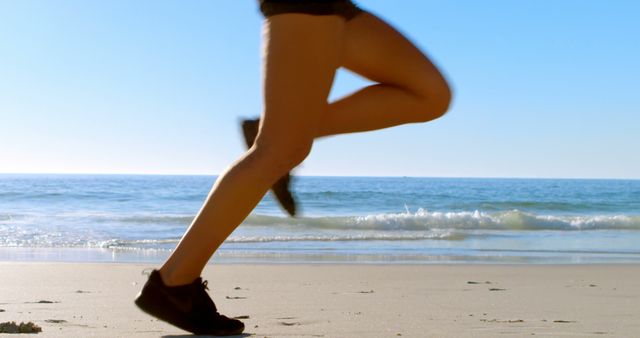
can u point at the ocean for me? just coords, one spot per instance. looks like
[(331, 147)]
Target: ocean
[(389, 220)]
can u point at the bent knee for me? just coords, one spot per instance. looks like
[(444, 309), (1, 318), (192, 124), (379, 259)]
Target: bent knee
[(434, 102), (285, 155)]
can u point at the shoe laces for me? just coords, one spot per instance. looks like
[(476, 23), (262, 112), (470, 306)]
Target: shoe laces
[(205, 298), (205, 285)]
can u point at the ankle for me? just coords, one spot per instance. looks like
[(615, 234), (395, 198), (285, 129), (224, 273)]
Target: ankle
[(170, 278)]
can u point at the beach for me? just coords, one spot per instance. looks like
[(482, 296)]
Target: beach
[(366, 257), (472, 172), (333, 300)]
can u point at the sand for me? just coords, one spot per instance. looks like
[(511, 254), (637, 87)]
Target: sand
[(95, 300)]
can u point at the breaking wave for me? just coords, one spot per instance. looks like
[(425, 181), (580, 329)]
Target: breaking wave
[(466, 220)]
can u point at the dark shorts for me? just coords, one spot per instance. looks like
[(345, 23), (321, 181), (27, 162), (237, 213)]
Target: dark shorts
[(343, 8)]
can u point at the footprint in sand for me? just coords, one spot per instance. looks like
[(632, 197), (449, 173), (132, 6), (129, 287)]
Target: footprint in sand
[(502, 320), (289, 323), (236, 297)]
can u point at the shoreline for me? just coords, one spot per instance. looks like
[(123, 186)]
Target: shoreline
[(337, 300), (258, 257)]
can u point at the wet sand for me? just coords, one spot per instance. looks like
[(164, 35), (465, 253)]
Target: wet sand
[(95, 300)]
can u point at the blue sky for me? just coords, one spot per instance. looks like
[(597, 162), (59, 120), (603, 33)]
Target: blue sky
[(542, 89)]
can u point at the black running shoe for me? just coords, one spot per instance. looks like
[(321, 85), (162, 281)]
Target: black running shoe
[(188, 307), (281, 187)]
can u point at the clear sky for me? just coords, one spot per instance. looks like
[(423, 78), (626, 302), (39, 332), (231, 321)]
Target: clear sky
[(543, 88)]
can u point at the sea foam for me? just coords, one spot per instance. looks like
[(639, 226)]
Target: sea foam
[(426, 220)]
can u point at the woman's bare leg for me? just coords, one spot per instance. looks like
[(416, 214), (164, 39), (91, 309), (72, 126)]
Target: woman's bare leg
[(302, 55), (409, 87), (296, 85)]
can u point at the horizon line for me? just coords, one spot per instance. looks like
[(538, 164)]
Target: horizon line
[(359, 176)]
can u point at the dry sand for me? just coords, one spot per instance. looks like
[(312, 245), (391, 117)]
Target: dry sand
[(95, 300)]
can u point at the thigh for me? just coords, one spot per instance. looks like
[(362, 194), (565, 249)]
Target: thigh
[(380, 53), (301, 55)]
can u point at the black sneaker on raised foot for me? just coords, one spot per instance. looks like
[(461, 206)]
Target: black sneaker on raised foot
[(281, 187), (188, 307)]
